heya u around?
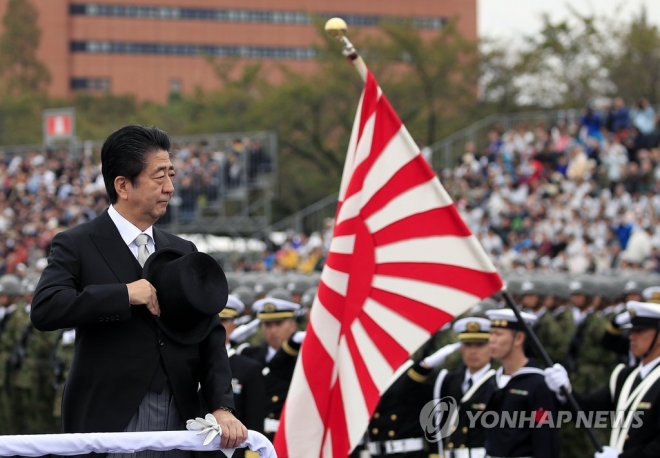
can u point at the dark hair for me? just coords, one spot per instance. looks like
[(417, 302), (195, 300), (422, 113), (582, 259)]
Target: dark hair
[(124, 154)]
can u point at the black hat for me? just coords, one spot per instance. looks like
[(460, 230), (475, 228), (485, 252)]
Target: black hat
[(191, 289)]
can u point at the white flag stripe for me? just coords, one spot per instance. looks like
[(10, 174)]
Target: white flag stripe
[(448, 250), (350, 153), (329, 330), (443, 195), (449, 300), (350, 208), (302, 404), (335, 280), (403, 331), (378, 367), (364, 145), (395, 155), (419, 199), (342, 244), (327, 445), (355, 408)]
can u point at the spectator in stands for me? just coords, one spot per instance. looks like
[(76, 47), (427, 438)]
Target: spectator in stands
[(642, 116)]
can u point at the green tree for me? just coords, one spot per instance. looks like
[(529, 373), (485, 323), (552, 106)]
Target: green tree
[(634, 61), (563, 63), (20, 70), (500, 68), (431, 82), (98, 116)]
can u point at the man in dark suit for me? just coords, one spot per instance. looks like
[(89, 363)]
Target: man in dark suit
[(128, 375)]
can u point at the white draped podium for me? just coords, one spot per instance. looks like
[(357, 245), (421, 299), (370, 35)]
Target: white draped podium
[(80, 444)]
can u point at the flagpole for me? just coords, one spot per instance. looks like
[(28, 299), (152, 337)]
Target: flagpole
[(538, 346), (336, 28)]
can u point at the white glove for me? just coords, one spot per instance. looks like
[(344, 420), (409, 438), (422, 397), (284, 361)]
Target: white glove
[(608, 452), (207, 425), (299, 336), (622, 318), (244, 331), (440, 356), (556, 377)]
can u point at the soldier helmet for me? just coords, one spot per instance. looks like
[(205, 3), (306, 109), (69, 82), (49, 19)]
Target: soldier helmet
[(532, 286), (581, 285), (632, 286), (263, 286), (308, 297), (298, 285), (279, 293), (245, 295), (30, 282), (483, 306), (232, 281), (10, 285)]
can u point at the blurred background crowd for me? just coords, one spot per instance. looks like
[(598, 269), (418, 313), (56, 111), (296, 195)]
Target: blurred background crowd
[(574, 195)]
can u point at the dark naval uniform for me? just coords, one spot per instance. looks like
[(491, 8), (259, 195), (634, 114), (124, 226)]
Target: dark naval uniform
[(534, 435), (277, 374), (394, 429), (633, 393), (249, 393), (277, 371), (642, 438), (466, 440)]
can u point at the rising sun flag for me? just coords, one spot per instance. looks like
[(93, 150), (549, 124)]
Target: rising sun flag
[(402, 263)]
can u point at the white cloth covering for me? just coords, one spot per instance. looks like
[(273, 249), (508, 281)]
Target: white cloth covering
[(80, 444)]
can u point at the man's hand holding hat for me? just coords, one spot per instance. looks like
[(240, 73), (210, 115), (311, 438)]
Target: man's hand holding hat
[(142, 292)]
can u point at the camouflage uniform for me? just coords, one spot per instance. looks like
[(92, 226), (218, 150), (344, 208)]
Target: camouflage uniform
[(33, 381), (12, 419), (565, 321), (588, 364), (61, 358)]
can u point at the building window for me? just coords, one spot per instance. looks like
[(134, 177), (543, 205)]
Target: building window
[(90, 84), (171, 49), (175, 86), (239, 15)]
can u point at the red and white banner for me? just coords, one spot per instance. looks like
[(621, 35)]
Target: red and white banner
[(402, 263)]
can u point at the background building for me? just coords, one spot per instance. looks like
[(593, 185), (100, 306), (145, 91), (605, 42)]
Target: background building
[(153, 48)]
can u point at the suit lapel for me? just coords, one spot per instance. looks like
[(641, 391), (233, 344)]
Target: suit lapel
[(160, 239), (114, 250)]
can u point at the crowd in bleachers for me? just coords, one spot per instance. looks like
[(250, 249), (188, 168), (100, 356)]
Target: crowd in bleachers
[(43, 192), (578, 196), (573, 195)]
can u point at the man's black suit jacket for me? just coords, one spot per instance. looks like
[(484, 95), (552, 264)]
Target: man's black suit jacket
[(119, 347)]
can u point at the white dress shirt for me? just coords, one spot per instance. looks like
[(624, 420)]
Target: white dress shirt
[(129, 232)]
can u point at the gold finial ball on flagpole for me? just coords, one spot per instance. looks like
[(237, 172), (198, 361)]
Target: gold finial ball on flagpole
[(336, 27)]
